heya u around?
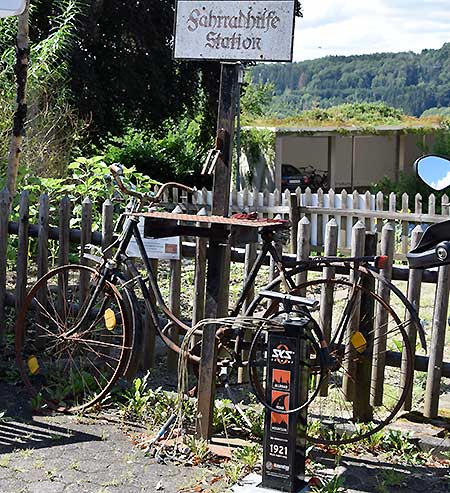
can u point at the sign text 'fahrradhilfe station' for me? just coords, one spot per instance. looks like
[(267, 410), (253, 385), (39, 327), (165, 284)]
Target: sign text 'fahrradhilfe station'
[(234, 30)]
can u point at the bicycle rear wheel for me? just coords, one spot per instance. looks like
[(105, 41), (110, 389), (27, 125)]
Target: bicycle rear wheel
[(371, 365), (69, 369)]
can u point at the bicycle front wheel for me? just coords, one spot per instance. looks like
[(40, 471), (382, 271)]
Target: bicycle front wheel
[(371, 364), (72, 346)]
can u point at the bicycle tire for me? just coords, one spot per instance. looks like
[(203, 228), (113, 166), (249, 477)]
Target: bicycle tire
[(334, 419), (317, 370), (72, 373)]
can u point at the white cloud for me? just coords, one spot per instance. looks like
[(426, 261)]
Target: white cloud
[(442, 183), (351, 27)]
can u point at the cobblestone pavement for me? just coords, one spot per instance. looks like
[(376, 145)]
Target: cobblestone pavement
[(70, 454)]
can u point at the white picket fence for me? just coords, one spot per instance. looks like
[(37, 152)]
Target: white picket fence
[(374, 209)]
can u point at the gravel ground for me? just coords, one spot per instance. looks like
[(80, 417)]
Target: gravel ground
[(74, 454)]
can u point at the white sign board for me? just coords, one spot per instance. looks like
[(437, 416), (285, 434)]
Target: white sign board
[(160, 248), (11, 7), (260, 30)]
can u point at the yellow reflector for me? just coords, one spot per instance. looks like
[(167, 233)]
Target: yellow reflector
[(33, 365), (110, 319), (359, 342)]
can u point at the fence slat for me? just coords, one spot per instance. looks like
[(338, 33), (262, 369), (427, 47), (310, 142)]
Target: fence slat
[(356, 206), (4, 217), (414, 292), (86, 235), (303, 248), (434, 375), (22, 249), (392, 202), (418, 203), (107, 226), (379, 206), (42, 260), (382, 317), (405, 224), (64, 231), (445, 205), (362, 408), (294, 218), (308, 201), (358, 243), (432, 204), (326, 295), (320, 203), (368, 207), (344, 220)]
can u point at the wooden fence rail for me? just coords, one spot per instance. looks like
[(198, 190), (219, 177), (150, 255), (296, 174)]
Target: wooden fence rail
[(321, 222)]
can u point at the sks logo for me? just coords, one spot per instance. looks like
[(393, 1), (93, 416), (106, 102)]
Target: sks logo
[(282, 354)]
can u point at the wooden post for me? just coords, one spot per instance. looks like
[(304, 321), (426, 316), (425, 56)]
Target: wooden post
[(86, 235), (43, 236), (63, 253), (362, 409), (42, 259), (107, 226), (437, 344), (64, 231), (326, 296), (382, 318), (414, 292), (4, 219), (217, 253), (358, 240), (175, 308), (22, 249)]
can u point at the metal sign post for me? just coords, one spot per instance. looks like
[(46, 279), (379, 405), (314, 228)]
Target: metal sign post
[(10, 8)]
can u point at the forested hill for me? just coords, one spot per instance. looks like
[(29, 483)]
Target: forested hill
[(413, 82)]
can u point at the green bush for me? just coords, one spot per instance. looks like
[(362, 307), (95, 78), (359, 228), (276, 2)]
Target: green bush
[(86, 178), (176, 154)]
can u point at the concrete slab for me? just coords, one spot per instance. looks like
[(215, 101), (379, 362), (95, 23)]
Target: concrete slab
[(252, 484)]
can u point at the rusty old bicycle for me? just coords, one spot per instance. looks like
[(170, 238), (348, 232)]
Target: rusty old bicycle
[(77, 332)]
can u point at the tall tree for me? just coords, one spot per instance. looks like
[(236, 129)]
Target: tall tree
[(122, 68), (20, 115)]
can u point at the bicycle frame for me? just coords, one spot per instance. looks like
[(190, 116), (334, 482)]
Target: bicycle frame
[(151, 292)]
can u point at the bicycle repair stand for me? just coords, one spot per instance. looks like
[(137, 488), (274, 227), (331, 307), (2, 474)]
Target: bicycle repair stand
[(284, 441)]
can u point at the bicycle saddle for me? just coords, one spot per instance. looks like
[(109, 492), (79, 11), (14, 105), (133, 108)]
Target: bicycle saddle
[(433, 249)]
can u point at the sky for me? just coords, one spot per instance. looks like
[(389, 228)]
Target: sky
[(354, 27)]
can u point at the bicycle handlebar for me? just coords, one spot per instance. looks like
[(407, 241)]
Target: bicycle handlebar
[(116, 172)]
